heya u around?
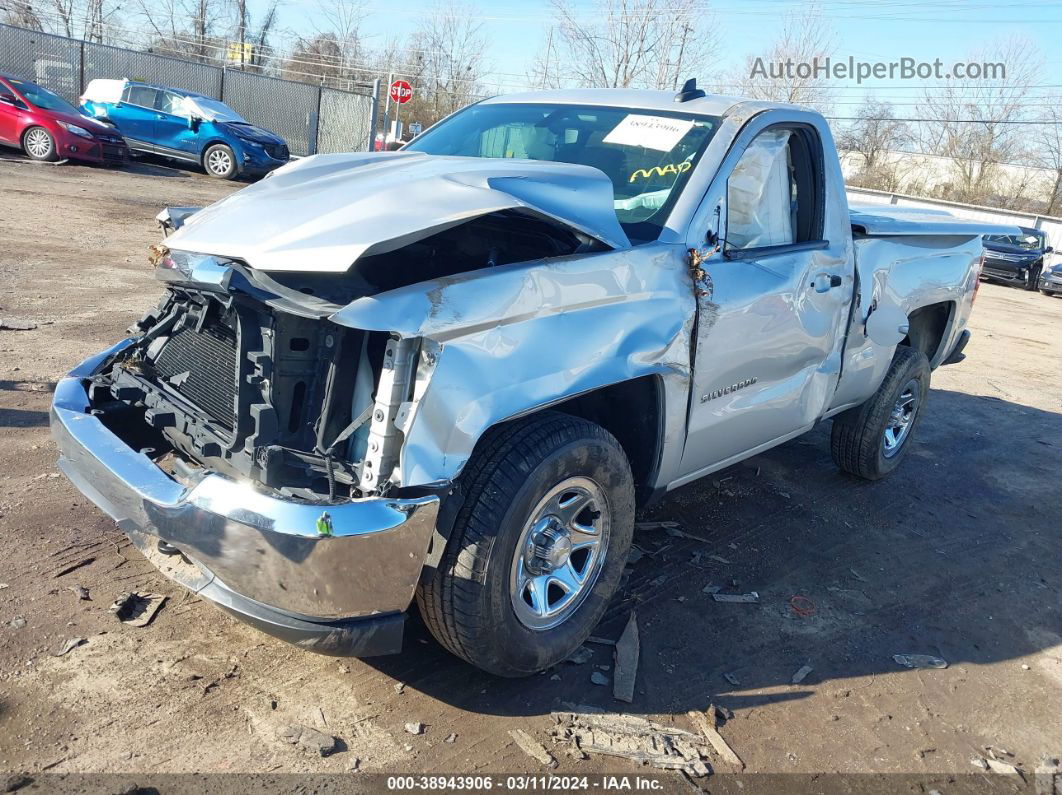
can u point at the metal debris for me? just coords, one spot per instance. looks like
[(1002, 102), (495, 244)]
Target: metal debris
[(741, 598), (69, 646), (399, 687), (706, 722), (580, 656), (711, 589), (451, 738), (308, 739), (719, 559), (532, 747), (634, 738), (920, 661), (137, 609), (732, 680), (627, 650), (415, 728), (599, 678), (801, 674)]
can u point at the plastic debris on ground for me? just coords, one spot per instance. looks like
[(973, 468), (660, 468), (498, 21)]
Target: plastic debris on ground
[(69, 646), (707, 722), (920, 661), (634, 738), (626, 655), (532, 747), (137, 609), (801, 674)]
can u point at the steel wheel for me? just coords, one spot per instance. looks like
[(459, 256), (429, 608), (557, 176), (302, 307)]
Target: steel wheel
[(560, 553), (219, 161), (902, 418), (39, 144)]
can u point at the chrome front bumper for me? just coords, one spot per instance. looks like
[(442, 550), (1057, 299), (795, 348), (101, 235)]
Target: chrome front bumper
[(258, 555)]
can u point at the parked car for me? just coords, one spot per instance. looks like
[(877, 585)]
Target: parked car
[(452, 373), (185, 126), (1016, 259), (1051, 280), (47, 127)]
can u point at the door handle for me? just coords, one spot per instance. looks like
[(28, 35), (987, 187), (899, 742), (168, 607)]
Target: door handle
[(826, 281)]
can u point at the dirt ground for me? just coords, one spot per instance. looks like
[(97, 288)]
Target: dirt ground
[(956, 555)]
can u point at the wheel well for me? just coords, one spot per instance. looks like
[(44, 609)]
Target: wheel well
[(208, 144), (926, 328), (632, 411)]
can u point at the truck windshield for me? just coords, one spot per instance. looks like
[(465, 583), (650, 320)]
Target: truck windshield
[(43, 98), (1027, 242), (648, 155)]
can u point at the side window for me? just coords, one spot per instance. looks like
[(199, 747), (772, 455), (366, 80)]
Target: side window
[(168, 102), (140, 95), (773, 196)]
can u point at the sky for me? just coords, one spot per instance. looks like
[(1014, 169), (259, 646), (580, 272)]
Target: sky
[(870, 30)]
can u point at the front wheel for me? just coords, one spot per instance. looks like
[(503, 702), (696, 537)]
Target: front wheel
[(1033, 280), (39, 144), (538, 546), (220, 161), (870, 440)]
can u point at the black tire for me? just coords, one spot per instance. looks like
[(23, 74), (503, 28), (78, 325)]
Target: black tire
[(39, 144), (858, 441), (1032, 281), (219, 161), (468, 602)]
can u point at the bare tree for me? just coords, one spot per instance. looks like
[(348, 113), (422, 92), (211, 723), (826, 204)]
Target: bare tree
[(625, 44), (785, 72), (1049, 152), (187, 28), (446, 56), (22, 14), (873, 136), (972, 120)]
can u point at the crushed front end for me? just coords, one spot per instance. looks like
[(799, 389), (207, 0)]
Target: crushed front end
[(243, 441)]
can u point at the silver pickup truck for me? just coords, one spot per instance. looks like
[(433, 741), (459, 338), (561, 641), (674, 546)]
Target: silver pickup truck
[(452, 373)]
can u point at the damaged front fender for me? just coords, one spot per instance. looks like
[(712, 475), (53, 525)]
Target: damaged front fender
[(514, 339)]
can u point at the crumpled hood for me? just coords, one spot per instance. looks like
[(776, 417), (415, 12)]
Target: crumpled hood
[(251, 133), (322, 213)]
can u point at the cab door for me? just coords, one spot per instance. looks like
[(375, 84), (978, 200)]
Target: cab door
[(173, 129), (135, 116), (10, 115), (774, 302)]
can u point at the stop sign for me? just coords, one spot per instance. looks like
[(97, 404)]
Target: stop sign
[(401, 91)]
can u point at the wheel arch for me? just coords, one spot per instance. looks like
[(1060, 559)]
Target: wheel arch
[(928, 328)]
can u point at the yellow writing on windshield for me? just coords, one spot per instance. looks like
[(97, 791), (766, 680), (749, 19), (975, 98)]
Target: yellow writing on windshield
[(661, 171)]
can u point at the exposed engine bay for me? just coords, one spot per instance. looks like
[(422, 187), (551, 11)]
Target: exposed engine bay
[(247, 376)]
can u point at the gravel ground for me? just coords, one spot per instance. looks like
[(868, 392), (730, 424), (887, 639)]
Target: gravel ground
[(956, 555)]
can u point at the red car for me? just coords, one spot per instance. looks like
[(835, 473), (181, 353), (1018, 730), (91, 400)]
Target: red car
[(47, 127)]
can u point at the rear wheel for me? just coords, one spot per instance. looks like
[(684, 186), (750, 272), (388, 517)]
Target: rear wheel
[(538, 546), (870, 440), (38, 143), (220, 161)]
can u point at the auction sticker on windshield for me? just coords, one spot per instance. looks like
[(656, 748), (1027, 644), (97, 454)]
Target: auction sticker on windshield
[(651, 132)]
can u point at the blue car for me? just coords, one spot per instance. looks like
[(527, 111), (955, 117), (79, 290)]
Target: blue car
[(184, 126)]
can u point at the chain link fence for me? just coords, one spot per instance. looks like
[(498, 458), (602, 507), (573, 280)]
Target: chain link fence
[(310, 118)]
